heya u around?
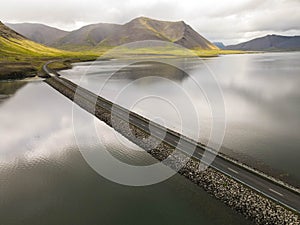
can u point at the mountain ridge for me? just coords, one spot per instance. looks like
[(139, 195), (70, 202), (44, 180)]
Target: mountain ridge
[(21, 57), (37, 32), (269, 42), (138, 29), (86, 36), (142, 28), (110, 35)]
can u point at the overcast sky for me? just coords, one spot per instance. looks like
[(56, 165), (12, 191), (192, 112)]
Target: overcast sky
[(229, 21)]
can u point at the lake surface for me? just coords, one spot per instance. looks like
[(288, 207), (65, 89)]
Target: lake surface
[(261, 98), (45, 180)]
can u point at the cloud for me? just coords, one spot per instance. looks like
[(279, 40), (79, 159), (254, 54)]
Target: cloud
[(281, 17), (227, 20)]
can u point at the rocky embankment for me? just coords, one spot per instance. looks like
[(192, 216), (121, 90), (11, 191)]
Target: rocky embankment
[(239, 197)]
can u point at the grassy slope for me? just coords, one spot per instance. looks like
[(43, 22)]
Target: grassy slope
[(216, 52), (21, 58), (166, 51), (25, 47)]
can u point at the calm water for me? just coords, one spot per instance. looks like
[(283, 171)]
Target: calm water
[(261, 97), (45, 180)]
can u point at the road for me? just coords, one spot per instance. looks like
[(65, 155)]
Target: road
[(277, 192)]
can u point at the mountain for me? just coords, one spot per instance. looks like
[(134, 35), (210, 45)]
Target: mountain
[(13, 44), (220, 45), (139, 29), (143, 28), (87, 36), (269, 43), (20, 57), (38, 32)]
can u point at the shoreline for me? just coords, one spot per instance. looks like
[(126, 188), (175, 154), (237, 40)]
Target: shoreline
[(10, 70), (18, 70)]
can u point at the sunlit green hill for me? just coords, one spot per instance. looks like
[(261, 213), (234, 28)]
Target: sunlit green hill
[(20, 57), (15, 46)]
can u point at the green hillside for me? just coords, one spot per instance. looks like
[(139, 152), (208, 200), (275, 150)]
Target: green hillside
[(20, 57), (14, 49)]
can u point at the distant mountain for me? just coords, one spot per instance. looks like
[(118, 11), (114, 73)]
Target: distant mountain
[(13, 44), (38, 32), (219, 45), (20, 57), (269, 43), (95, 36), (142, 28), (87, 36)]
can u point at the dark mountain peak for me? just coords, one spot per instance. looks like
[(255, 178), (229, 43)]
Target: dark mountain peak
[(140, 18), (144, 28), (144, 18), (271, 42)]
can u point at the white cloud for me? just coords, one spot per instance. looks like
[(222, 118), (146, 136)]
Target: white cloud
[(228, 20)]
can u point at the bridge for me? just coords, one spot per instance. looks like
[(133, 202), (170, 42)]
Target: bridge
[(269, 187)]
